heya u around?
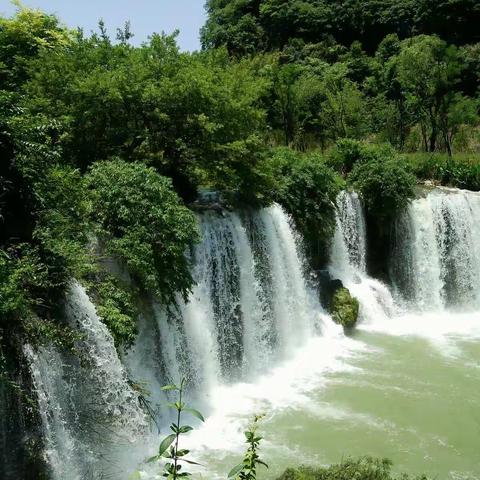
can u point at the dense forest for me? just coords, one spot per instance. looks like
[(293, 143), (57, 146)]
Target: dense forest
[(106, 145)]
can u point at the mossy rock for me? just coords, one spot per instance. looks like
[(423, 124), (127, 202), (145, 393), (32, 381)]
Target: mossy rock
[(344, 308)]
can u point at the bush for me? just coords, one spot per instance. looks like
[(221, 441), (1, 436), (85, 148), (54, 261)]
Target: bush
[(144, 223), (461, 170), (22, 277), (348, 152), (385, 184), (344, 308), (307, 188), (362, 469), (116, 308)]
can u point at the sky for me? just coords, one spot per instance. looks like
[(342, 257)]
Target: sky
[(146, 16)]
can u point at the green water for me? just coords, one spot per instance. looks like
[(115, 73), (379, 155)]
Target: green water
[(404, 398)]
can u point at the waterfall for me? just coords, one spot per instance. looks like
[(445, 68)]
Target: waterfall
[(348, 260), (350, 239), (436, 261), (89, 412), (250, 306)]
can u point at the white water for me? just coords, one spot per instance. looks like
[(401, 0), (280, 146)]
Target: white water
[(90, 415), (437, 255), (253, 310), (348, 261), (251, 304)]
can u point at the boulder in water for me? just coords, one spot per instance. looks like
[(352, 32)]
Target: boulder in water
[(344, 308), (328, 287)]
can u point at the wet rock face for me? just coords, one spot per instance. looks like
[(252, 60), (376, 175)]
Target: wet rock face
[(21, 445), (328, 286)]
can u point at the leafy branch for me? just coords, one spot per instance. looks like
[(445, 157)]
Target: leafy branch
[(247, 470), (170, 446)]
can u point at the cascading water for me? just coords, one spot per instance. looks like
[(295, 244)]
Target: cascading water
[(89, 412), (436, 262), (252, 310), (250, 305), (348, 260)]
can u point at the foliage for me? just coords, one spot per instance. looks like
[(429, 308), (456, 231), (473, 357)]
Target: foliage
[(116, 308), (363, 468), (427, 70), (307, 188), (247, 470), (461, 170), (22, 38), (169, 447), (385, 184), (247, 26), (348, 152), (344, 308), (144, 223), (195, 118), (22, 277)]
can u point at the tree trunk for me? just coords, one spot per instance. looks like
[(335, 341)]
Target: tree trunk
[(433, 139)]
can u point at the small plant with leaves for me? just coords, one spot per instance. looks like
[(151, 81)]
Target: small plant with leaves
[(170, 445), (247, 470)]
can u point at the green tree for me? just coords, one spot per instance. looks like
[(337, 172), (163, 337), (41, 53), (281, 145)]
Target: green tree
[(428, 70), (457, 111), (22, 37), (143, 222)]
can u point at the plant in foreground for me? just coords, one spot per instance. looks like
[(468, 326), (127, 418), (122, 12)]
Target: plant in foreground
[(247, 470), (169, 447)]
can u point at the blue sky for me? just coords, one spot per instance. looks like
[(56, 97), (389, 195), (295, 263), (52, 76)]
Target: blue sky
[(146, 16)]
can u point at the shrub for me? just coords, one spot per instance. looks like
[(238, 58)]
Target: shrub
[(385, 184), (22, 277), (348, 152), (344, 308), (116, 308), (361, 469), (144, 223), (461, 170), (307, 188)]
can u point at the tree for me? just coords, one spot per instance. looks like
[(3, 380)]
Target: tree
[(456, 112), (152, 244), (342, 111), (22, 37), (427, 71)]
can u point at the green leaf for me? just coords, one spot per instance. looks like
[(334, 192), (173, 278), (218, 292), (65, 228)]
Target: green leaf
[(169, 387), (153, 459), (261, 462), (235, 470), (182, 453), (195, 413), (166, 442), (185, 429), (135, 476), (190, 461)]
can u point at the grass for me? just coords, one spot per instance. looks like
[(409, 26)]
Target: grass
[(365, 468), (461, 171)]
